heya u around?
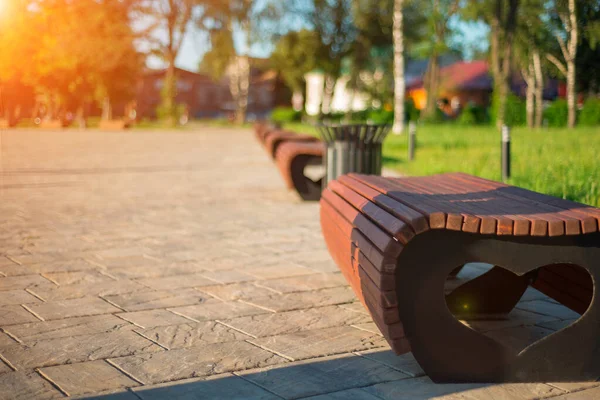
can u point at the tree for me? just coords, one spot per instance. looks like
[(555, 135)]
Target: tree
[(531, 41), (399, 82), (502, 18), (173, 17), (568, 38), (438, 13), (293, 57), (223, 20)]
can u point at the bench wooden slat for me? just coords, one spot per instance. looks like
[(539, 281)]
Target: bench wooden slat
[(386, 244), (576, 217), (522, 206), (394, 226), (436, 217), (491, 222), (415, 219)]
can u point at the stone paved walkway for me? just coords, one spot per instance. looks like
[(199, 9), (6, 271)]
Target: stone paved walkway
[(163, 265)]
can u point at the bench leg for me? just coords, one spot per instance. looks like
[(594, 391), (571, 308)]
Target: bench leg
[(308, 189), (449, 351), (496, 292)]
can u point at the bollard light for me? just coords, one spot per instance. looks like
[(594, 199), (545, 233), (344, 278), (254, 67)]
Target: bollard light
[(505, 153), (412, 140)]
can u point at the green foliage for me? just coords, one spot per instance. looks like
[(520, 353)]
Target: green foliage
[(170, 115), (473, 115), (590, 115), (294, 57), (380, 116), (285, 115), (219, 57), (516, 113), (557, 114), (560, 162)]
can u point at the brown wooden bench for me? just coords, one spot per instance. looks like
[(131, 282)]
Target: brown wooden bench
[(292, 158), (276, 137), (397, 241)]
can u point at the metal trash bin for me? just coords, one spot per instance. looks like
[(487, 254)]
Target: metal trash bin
[(352, 148)]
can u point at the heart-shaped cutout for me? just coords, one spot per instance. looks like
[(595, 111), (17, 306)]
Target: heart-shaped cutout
[(517, 311)]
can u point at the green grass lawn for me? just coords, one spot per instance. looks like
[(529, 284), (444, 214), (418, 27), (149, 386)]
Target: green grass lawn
[(560, 162)]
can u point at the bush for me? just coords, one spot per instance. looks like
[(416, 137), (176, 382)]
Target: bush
[(380, 116), (516, 113), (473, 115), (590, 114), (285, 114), (557, 114)]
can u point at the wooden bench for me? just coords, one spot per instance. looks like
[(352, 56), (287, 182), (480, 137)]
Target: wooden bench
[(292, 157), (397, 241), (274, 138)]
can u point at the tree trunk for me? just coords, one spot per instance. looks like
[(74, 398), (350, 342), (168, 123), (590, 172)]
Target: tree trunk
[(529, 77), (80, 117), (330, 82), (431, 85), (571, 94), (106, 109), (539, 89), (170, 92), (244, 89), (399, 82)]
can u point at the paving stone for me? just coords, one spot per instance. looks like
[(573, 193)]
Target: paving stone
[(19, 296), (194, 334), (295, 301), (356, 307), (31, 332), (78, 277), (77, 291), (533, 294), (369, 327), (522, 391), (547, 308), (15, 314), (153, 318), (6, 340), (213, 310), (557, 325), (417, 389), (296, 321), (321, 342), (49, 352), (4, 369), (148, 300), (305, 283), (589, 394), (224, 386), (514, 319), (235, 291), (520, 337), (119, 394), (228, 276), (176, 282), (125, 257), (156, 271), (26, 385), (196, 361), (324, 375), (575, 386), (88, 377), (73, 308), (350, 394), (23, 282), (405, 363), (14, 269), (63, 266), (281, 270)]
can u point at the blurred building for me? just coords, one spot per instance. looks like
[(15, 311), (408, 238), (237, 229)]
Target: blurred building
[(206, 98)]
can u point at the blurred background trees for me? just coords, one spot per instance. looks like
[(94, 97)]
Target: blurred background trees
[(80, 54)]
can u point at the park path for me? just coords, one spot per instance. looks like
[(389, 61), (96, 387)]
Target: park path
[(170, 264)]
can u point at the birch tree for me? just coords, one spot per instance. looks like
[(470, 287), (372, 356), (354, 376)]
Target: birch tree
[(399, 80), (567, 38)]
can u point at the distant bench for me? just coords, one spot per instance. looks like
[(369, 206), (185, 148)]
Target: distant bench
[(398, 240), (292, 153)]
